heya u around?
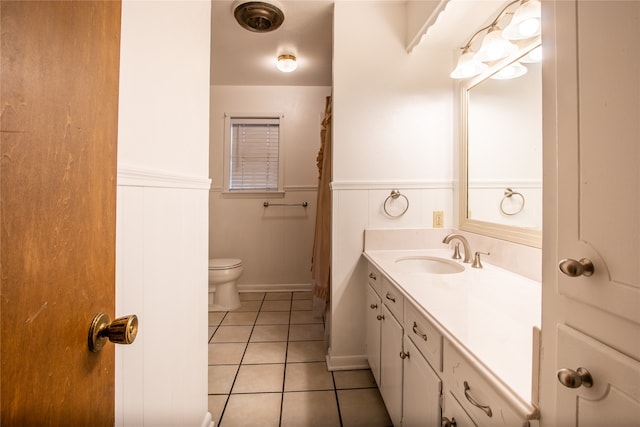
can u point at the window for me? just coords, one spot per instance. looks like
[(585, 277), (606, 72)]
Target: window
[(254, 161)]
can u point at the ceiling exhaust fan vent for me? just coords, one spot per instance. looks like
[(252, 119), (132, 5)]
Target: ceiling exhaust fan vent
[(258, 16)]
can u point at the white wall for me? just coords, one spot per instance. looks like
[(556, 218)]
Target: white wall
[(274, 243), (161, 268), (392, 128)]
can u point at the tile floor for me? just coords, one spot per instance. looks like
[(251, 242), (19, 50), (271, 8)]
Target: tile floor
[(267, 368)]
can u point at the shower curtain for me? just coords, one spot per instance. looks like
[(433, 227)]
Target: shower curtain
[(321, 258)]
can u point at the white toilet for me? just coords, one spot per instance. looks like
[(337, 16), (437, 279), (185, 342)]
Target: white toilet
[(223, 283)]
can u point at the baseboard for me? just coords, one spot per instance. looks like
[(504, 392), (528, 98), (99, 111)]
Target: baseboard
[(346, 363), (288, 287)]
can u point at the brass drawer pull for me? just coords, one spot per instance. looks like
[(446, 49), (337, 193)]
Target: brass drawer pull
[(372, 276), (486, 409), (380, 317), (373, 306), (390, 297), (418, 332), (404, 355)]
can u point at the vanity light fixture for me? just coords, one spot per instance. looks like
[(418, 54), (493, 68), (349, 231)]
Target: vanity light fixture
[(533, 57), (468, 66), (287, 63), (511, 71), (525, 22), (495, 44)]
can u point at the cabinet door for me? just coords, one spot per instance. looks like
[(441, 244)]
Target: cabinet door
[(614, 397), (421, 391), (391, 366), (373, 322), (599, 156)]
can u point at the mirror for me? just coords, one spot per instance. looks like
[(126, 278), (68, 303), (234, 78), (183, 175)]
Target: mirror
[(501, 151)]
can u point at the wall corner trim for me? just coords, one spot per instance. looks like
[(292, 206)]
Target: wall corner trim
[(132, 176)]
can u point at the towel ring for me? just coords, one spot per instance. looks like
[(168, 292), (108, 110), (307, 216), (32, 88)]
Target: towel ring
[(393, 196), (507, 194)]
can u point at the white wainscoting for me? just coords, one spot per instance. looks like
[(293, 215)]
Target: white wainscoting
[(161, 276), (358, 206)]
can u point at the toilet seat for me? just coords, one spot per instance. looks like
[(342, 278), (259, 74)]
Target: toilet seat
[(224, 263)]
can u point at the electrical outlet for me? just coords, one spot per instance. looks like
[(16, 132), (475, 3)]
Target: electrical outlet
[(438, 219)]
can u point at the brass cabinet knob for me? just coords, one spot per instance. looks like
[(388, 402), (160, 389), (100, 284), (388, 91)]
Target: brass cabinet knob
[(122, 330), (574, 379), (573, 268)]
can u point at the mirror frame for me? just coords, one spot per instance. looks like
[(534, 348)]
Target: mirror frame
[(510, 233)]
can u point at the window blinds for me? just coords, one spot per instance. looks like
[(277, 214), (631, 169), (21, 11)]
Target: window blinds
[(255, 156)]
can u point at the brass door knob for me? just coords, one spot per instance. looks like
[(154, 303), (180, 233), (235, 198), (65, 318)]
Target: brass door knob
[(122, 330)]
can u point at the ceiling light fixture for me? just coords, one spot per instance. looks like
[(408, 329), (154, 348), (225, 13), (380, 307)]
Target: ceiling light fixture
[(286, 63), (511, 71), (495, 44)]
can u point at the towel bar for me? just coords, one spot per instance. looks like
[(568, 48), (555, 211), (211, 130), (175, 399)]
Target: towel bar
[(303, 204)]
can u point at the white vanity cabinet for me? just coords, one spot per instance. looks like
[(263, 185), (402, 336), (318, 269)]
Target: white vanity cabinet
[(422, 389), (391, 365), (426, 376), (373, 321), (384, 340)]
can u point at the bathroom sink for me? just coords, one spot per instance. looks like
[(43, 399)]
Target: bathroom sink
[(429, 265)]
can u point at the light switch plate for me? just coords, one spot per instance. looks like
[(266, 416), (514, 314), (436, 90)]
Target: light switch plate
[(438, 219)]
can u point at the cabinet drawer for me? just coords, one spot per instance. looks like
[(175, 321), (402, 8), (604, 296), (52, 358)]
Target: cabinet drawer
[(481, 399), (374, 278), (392, 298), (424, 335), (453, 411)]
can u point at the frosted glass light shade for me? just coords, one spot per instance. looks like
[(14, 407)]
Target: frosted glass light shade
[(534, 56), (525, 22), (287, 63), (510, 71), (468, 66), (494, 46)]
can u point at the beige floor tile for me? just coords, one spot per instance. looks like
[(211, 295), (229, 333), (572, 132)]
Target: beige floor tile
[(251, 305), (362, 378), (273, 296), (303, 295), (251, 296), (307, 376), (306, 332), (265, 352), (232, 334), (252, 410), (226, 353), (302, 305), (278, 305), (299, 317), (265, 333), (215, 317), (259, 379), (240, 318), (362, 407), (221, 378), (306, 351), (216, 405), (310, 408), (273, 318)]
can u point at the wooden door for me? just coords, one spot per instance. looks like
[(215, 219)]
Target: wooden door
[(59, 98)]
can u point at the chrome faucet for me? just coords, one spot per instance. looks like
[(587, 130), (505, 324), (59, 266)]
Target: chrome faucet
[(467, 250)]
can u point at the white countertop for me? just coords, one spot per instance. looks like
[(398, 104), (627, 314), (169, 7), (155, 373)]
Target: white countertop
[(489, 311)]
